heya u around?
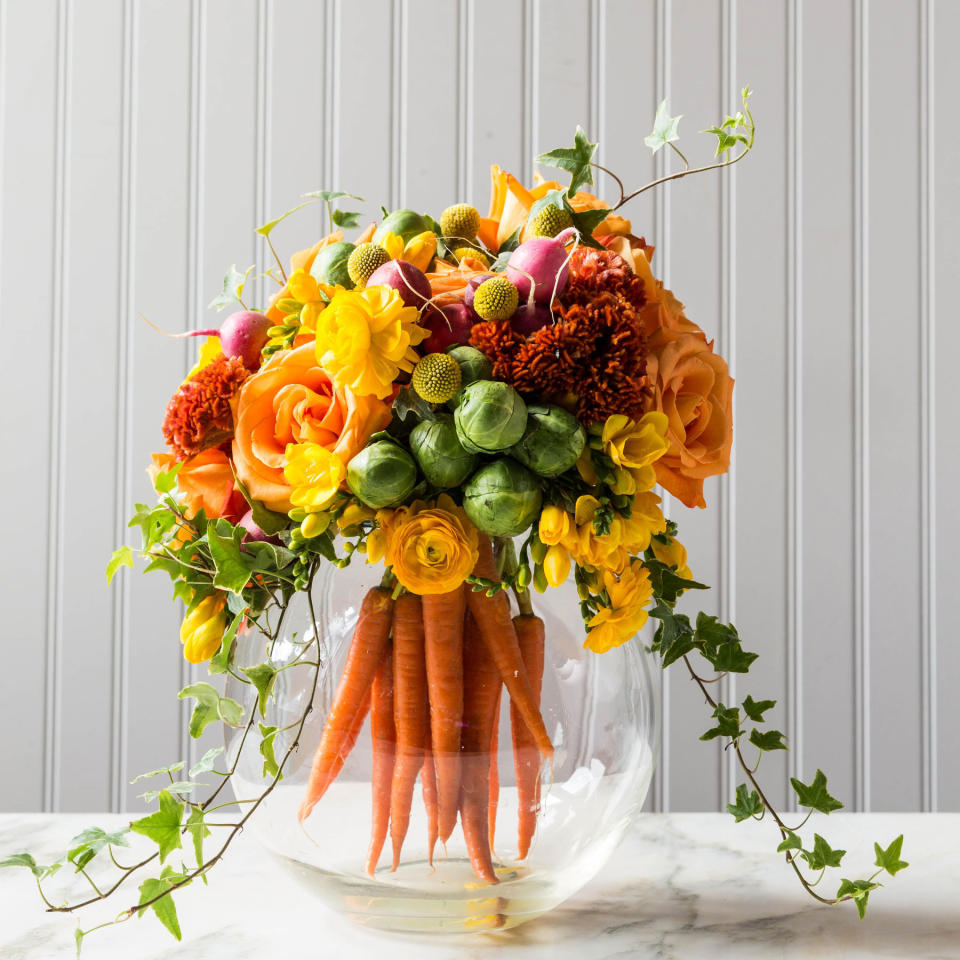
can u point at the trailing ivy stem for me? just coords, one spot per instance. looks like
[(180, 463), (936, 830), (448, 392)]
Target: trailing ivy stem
[(283, 273)]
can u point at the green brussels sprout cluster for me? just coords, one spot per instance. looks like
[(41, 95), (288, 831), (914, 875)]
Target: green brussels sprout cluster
[(490, 416), (439, 453), (382, 474), (552, 441), (502, 498)]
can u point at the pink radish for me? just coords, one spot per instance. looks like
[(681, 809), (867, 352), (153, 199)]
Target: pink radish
[(531, 317), (471, 288), (406, 279), (449, 325), (543, 259), (243, 334), (253, 530)]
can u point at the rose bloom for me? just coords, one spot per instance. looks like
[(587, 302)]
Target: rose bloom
[(693, 387), (206, 482), (291, 399)]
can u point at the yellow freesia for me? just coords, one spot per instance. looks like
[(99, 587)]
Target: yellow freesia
[(365, 338), (314, 474), (354, 514), (202, 629), (634, 446), (314, 296), (554, 524), (210, 349), (629, 593), (646, 518), (419, 251), (556, 565), (673, 554)]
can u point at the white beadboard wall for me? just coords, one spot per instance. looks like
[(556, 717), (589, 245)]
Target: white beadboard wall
[(142, 140)]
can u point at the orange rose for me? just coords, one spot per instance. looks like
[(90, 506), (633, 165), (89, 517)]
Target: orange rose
[(693, 387), (206, 482), (292, 400)]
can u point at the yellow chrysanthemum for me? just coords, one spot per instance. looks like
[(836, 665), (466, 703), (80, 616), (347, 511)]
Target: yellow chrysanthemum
[(365, 338), (210, 349), (431, 548), (419, 251), (314, 474), (634, 446), (314, 296), (629, 592), (202, 629)]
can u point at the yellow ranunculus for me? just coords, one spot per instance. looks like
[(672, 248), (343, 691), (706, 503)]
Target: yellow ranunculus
[(419, 251), (210, 349), (673, 554), (634, 446), (554, 524), (629, 593), (556, 565), (314, 474), (432, 549), (202, 629), (365, 338)]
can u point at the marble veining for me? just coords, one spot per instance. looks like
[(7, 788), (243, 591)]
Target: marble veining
[(680, 886)]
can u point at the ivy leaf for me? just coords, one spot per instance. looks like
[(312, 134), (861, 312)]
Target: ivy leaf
[(815, 794), (121, 557), (232, 291), (409, 401), (726, 135), (889, 859), (747, 805), (346, 218), (575, 160), (858, 891), (269, 521), (162, 827), (667, 585), (210, 707), (164, 907), (329, 195), (755, 709), (767, 739), (221, 659), (267, 228), (198, 830), (233, 565), (269, 557), (664, 128), (88, 843), (728, 723), (178, 786), (262, 676), (822, 855), (268, 735), (674, 635), (720, 644), (206, 763), (792, 842), (172, 768), (26, 860), (78, 936)]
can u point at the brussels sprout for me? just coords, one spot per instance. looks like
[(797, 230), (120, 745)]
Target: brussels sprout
[(502, 498), (474, 365), (439, 453), (490, 416), (382, 475), (552, 442), (330, 264)]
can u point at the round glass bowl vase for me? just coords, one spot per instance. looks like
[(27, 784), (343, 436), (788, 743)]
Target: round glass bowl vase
[(602, 715)]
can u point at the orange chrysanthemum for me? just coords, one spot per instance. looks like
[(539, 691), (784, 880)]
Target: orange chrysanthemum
[(593, 356), (199, 415)]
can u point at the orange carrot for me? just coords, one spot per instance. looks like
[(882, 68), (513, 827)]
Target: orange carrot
[(480, 695), (443, 636), (366, 651), (428, 784), (493, 618), (494, 769), (383, 742), (526, 757), (349, 743), (409, 711)]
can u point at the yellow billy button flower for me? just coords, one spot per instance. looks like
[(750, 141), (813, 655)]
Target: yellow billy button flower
[(634, 446), (556, 565), (202, 629), (554, 524), (419, 251), (314, 474), (365, 338), (673, 554), (629, 592), (314, 296)]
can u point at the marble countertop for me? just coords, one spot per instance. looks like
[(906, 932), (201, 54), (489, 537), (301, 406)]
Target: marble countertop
[(681, 885)]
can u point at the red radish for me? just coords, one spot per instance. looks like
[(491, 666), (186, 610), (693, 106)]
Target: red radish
[(406, 279), (471, 288), (253, 530), (243, 334), (448, 326), (545, 260), (531, 317)]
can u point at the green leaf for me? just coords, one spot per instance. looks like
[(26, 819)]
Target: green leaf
[(232, 291), (270, 766), (178, 786), (26, 860), (267, 228), (755, 709), (575, 160), (767, 739), (858, 891), (78, 936), (166, 480), (747, 805), (409, 401), (329, 195), (664, 128), (172, 768), (667, 585), (88, 843), (822, 855), (726, 137), (210, 707), (889, 859), (815, 794), (233, 565), (728, 723), (269, 521), (197, 829), (720, 644), (346, 218), (262, 676), (586, 221), (221, 659), (269, 557), (162, 827), (206, 763), (121, 557), (164, 907), (674, 636), (793, 842)]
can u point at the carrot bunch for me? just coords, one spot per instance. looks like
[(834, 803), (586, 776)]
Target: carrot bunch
[(430, 671)]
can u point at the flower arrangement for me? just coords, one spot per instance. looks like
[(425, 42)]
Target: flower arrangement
[(484, 406)]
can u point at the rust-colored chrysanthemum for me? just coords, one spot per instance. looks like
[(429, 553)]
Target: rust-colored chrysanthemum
[(198, 415), (595, 352)]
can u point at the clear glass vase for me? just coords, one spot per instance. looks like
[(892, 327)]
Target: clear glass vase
[(601, 712)]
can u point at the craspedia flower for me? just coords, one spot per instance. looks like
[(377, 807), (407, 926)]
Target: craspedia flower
[(496, 299), (364, 260), (460, 222), (549, 222), (436, 377), (199, 415), (470, 253)]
